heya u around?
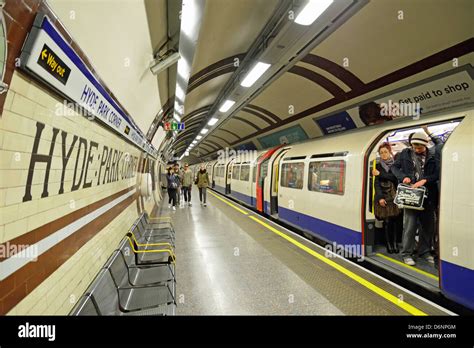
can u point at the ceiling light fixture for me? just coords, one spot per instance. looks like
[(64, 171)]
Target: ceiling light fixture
[(179, 92), (312, 10), (227, 105), (204, 131), (212, 121), (254, 74), (199, 137)]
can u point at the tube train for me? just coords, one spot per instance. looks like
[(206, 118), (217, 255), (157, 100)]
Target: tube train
[(322, 187)]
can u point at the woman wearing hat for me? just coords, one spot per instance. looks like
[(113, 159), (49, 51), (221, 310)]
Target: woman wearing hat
[(417, 165)]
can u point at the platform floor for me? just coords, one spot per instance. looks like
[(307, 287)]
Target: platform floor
[(231, 261)]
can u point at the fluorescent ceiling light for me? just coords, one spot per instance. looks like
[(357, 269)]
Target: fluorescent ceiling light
[(179, 92), (183, 68), (204, 131), (254, 74), (186, 153), (212, 121), (189, 17), (227, 105), (199, 137), (312, 10), (194, 142)]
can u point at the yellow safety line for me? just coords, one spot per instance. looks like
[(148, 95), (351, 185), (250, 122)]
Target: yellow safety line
[(227, 202), (395, 300), (408, 266)]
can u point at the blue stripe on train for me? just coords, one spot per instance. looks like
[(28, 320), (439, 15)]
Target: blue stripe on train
[(320, 228), (242, 197), (457, 283), (219, 189)]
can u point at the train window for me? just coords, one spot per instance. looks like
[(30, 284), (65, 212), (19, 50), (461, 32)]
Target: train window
[(292, 175), (245, 172), (236, 172), (327, 177)]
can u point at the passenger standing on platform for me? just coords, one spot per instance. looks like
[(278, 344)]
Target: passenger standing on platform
[(417, 165), (187, 183), (173, 183), (178, 190), (202, 181), (385, 190)]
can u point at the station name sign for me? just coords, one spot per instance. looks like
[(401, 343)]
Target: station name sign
[(48, 56)]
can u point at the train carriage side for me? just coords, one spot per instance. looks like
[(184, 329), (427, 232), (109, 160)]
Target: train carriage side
[(243, 179), (319, 189), (456, 221), (324, 189), (219, 176)]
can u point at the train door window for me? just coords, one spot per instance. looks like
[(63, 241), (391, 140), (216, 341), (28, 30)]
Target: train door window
[(263, 169), (292, 175), (327, 176), (245, 172), (229, 171), (254, 172), (236, 172)]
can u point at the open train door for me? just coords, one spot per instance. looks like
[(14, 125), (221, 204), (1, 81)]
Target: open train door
[(275, 175), (228, 177), (262, 169), (374, 237)]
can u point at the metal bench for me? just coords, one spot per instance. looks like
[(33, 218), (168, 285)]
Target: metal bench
[(104, 298), (139, 274), (139, 277), (150, 233)]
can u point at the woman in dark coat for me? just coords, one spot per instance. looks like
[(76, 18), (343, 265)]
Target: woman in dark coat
[(385, 189)]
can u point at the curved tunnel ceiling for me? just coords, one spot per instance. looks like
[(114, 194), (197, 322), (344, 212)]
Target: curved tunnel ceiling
[(366, 56)]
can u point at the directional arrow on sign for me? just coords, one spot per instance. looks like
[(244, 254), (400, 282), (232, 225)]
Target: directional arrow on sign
[(44, 54)]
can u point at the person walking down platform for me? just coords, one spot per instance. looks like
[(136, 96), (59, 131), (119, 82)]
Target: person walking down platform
[(187, 183), (202, 182), (173, 184)]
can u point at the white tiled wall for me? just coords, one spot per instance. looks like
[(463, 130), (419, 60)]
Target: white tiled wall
[(26, 103)]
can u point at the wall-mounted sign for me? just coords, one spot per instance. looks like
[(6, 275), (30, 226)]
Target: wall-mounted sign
[(49, 57), (246, 146), (441, 92), (336, 123), (53, 64), (285, 136)]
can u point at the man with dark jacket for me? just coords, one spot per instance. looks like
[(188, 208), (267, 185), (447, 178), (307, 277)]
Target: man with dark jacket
[(419, 166)]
